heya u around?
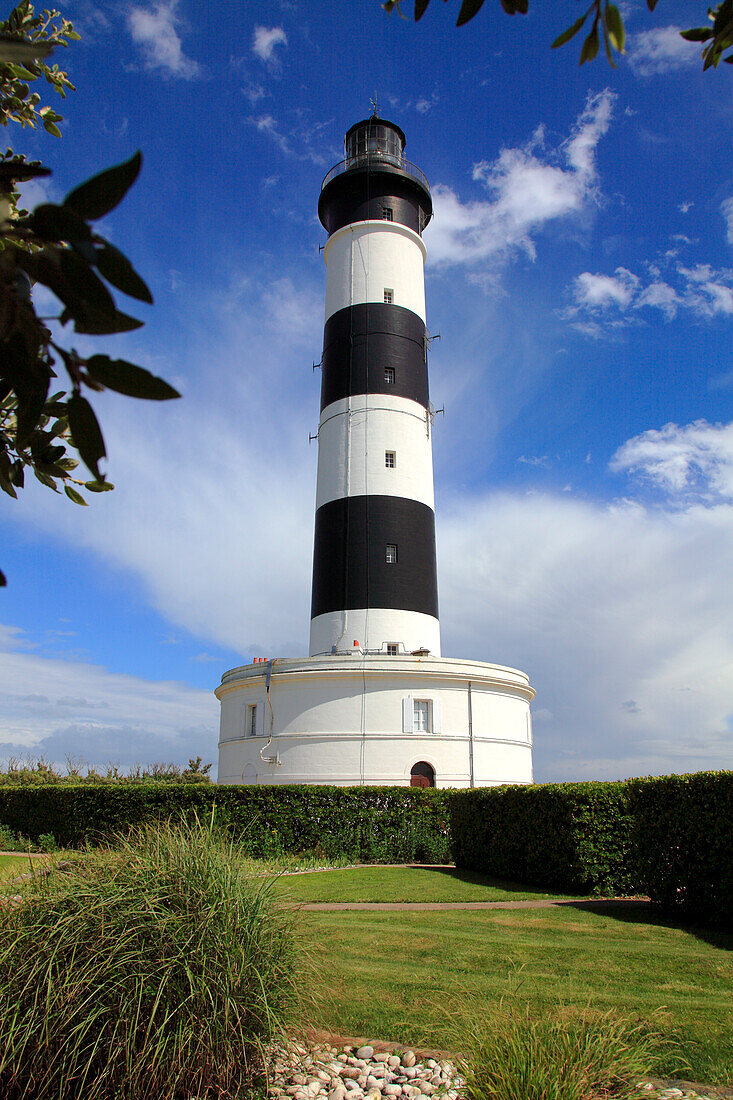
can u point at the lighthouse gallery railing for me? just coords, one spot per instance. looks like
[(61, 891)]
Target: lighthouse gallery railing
[(377, 160)]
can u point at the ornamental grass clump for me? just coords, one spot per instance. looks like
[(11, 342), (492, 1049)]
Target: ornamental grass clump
[(558, 1054), (155, 968)]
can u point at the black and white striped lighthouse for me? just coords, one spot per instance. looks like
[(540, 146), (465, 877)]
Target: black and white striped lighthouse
[(374, 567), (402, 713)]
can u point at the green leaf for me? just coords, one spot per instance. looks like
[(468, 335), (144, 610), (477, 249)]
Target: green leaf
[(103, 325), (420, 7), (118, 270), (615, 27), (58, 223), (697, 34), (570, 32), (76, 497), (51, 128), (468, 10), (86, 433), (99, 486), (90, 292), (590, 46), (123, 377), (18, 51), (46, 480), (97, 196)]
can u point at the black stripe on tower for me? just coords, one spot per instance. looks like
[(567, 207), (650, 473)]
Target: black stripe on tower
[(362, 194), (350, 566), (374, 348)]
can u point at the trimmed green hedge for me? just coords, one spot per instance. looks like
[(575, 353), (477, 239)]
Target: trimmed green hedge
[(569, 836), (683, 843), (365, 824)]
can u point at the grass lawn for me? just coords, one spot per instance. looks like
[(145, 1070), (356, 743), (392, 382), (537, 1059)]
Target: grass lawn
[(15, 864), (400, 884), (412, 977)]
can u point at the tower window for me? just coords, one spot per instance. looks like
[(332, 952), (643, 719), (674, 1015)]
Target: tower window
[(421, 716), (392, 649), (391, 555), (251, 726), (390, 459), (387, 213), (389, 376), (388, 296)]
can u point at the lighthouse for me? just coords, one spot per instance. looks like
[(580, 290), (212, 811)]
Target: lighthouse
[(375, 702), (374, 571)]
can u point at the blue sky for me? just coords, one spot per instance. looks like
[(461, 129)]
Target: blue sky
[(580, 274)]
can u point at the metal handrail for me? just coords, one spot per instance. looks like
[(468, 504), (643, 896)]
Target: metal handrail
[(375, 159)]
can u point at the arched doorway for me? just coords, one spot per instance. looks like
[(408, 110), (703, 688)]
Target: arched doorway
[(422, 775)]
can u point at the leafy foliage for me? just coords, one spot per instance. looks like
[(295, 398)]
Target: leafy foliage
[(156, 968), (606, 22), (57, 247), (365, 824)]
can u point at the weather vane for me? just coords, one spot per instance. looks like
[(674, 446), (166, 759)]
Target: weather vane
[(375, 106)]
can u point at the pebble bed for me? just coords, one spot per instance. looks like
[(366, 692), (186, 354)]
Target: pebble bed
[(362, 1073), (359, 1073)]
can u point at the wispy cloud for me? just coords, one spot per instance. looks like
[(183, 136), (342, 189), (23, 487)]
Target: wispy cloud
[(726, 208), (155, 30), (694, 461), (304, 141), (530, 187), (600, 302), (264, 41), (660, 50)]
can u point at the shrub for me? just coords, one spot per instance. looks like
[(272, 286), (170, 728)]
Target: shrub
[(561, 1055), (683, 833), (568, 836), (363, 824), (152, 969)]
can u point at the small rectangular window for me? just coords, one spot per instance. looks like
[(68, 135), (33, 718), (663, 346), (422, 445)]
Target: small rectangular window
[(390, 459), (251, 730), (389, 376), (421, 716), (392, 649), (391, 553), (388, 295), (387, 213)]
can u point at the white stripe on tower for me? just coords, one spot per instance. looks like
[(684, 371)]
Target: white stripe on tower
[(374, 571)]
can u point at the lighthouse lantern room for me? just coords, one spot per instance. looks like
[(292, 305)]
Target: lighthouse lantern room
[(375, 703)]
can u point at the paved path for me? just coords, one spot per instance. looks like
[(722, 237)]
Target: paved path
[(439, 906)]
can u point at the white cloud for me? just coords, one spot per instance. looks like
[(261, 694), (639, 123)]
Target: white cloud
[(265, 39), (603, 605), (726, 208), (696, 459), (55, 709), (156, 32), (529, 190), (599, 291), (599, 301), (659, 50)]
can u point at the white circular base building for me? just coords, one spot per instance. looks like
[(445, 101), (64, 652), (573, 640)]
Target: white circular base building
[(377, 720)]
